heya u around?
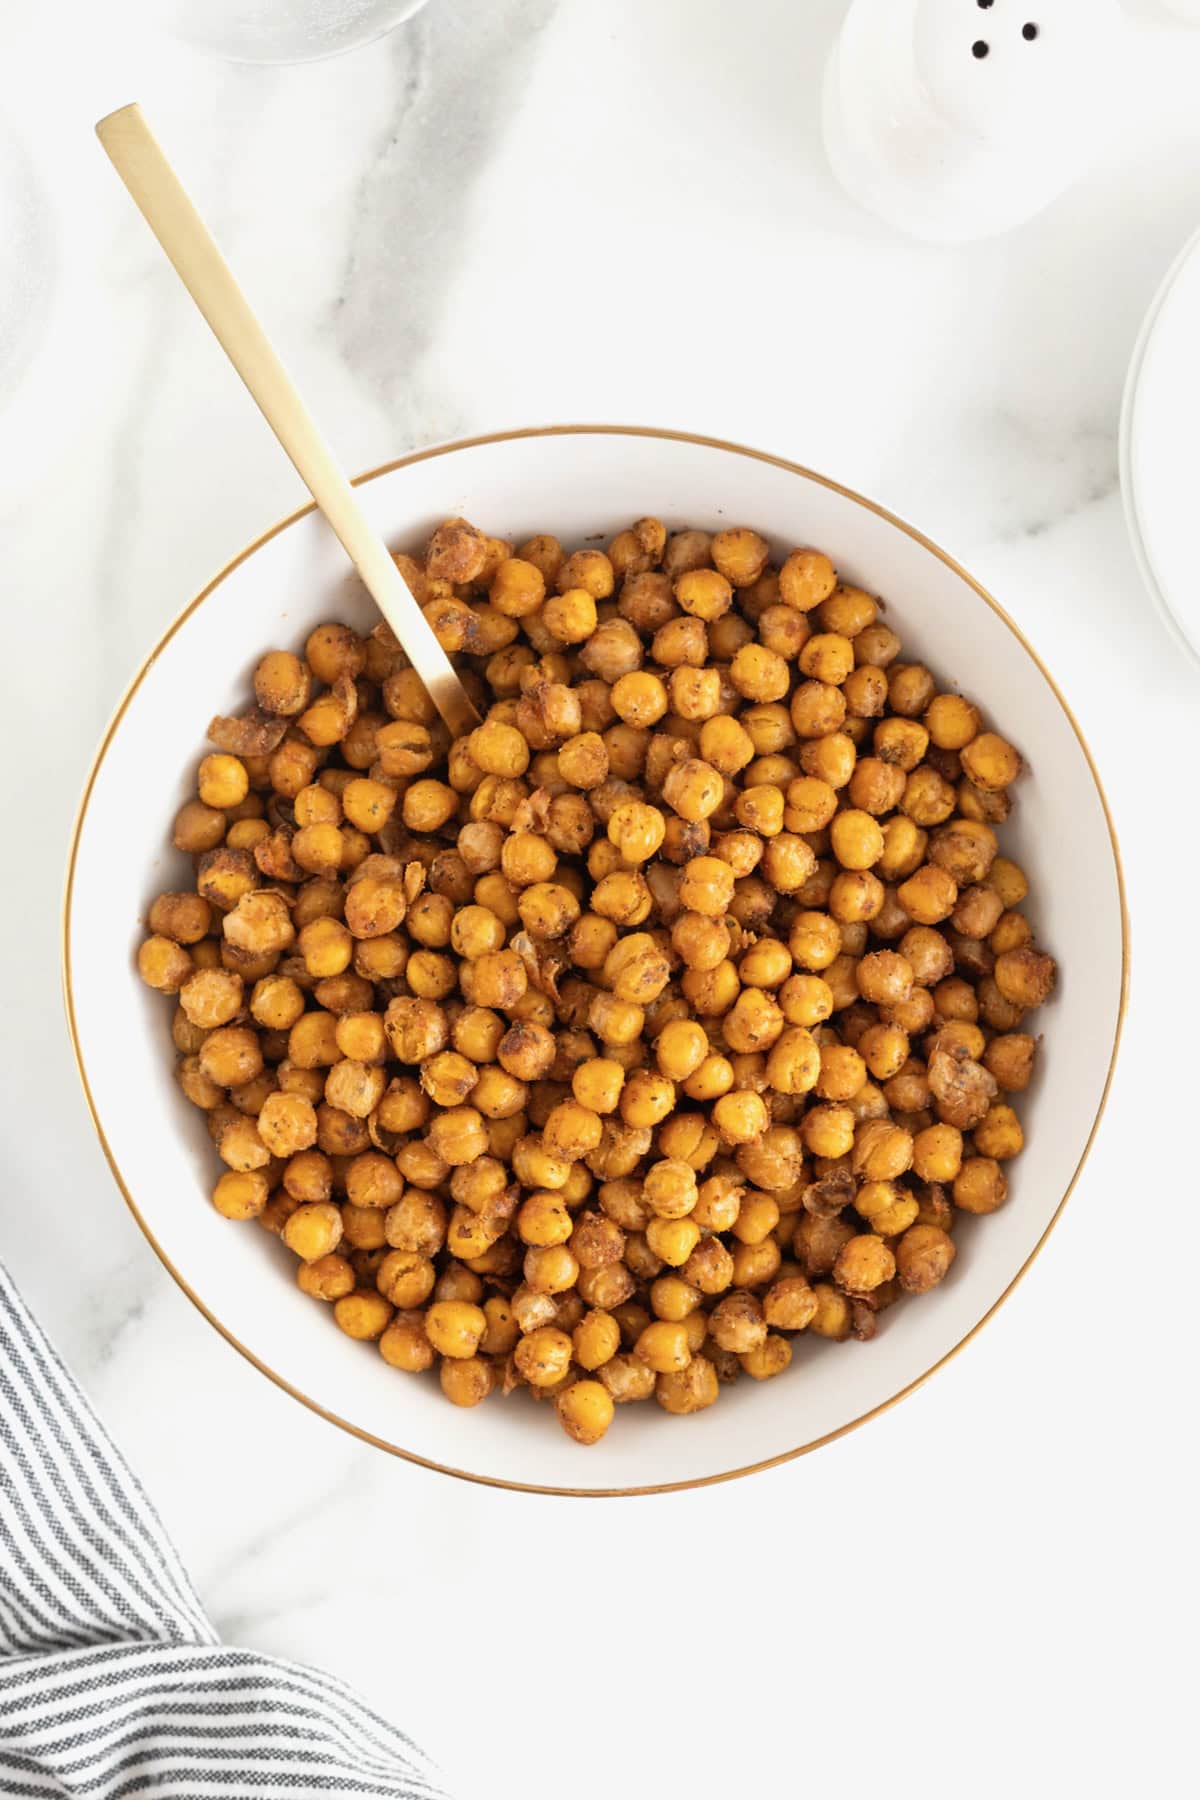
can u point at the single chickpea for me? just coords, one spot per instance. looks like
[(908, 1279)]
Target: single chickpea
[(980, 1185), (760, 809), (938, 1153), (695, 693), (990, 763), (863, 1264), (760, 674), (770, 1358), (923, 1258), (806, 580), (673, 1298), (740, 1117), (707, 887), (929, 895), (827, 657), (998, 1134), (313, 1231), (595, 1340), (856, 839), (231, 1055), (704, 594), (817, 710), (1025, 977), (740, 555), (663, 1347), (466, 1381), (673, 1240), (646, 1099), (669, 1188), (570, 617), (1009, 1059), (455, 1327), (843, 1072), (951, 721), (694, 788), (241, 1194), (736, 1324), (832, 1317), (458, 1135), (585, 1411), (865, 692), (910, 689), (637, 969), (876, 646), (828, 1130), (329, 1278), (757, 1218), (222, 781), (404, 1345), (639, 698), (725, 745), (281, 683), (680, 1048), (789, 1304), (637, 831), (287, 1124), (688, 1390), (543, 1356)]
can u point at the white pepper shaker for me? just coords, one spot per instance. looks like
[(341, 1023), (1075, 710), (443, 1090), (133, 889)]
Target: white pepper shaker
[(959, 119)]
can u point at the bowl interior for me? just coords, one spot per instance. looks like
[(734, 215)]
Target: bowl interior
[(579, 484)]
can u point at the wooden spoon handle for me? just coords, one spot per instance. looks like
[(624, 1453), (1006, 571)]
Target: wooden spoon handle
[(163, 202)]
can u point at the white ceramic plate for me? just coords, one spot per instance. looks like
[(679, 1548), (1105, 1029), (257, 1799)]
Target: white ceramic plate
[(575, 481), (1160, 448)]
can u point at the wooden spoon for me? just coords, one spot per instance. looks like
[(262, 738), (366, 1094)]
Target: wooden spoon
[(139, 161)]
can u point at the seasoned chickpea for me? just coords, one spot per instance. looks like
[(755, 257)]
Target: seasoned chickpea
[(543, 1356), (1009, 1059), (740, 1117), (585, 1411), (923, 1258), (455, 1327), (680, 1048), (241, 1194), (806, 579), (1025, 977), (856, 839), (570, 617), (980, 1185), (404, 1345), (595, 1340), (828, 1130), (663, 1346), (929, 895), (990, 763), (998, 1134), (466, 1381), (770, 1358), (313, 1230)]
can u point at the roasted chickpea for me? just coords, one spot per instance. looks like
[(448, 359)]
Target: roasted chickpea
[(923, 1258), (1025, 977)]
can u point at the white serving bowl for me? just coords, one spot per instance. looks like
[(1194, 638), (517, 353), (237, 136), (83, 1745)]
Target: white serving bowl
[(576, 482)]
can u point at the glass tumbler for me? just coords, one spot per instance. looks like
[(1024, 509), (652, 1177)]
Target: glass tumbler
[(280, 31)]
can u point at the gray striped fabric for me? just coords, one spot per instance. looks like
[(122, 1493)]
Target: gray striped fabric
[(112, 1679)]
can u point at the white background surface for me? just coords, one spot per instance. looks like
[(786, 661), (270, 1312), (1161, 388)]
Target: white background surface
[(618, 209)]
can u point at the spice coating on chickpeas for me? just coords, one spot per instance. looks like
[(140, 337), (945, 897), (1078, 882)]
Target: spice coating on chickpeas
[(679, 1008)]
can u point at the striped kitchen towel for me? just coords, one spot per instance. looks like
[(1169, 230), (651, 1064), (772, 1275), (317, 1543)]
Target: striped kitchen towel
[(112, 1679)]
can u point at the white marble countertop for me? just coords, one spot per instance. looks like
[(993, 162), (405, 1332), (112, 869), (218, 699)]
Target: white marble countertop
[(515, 211)]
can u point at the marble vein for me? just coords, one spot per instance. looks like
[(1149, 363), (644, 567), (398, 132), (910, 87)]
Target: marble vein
[(412, 221)]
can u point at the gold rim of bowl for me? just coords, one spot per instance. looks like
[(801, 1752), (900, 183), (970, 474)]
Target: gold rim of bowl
[(281, 1381)]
